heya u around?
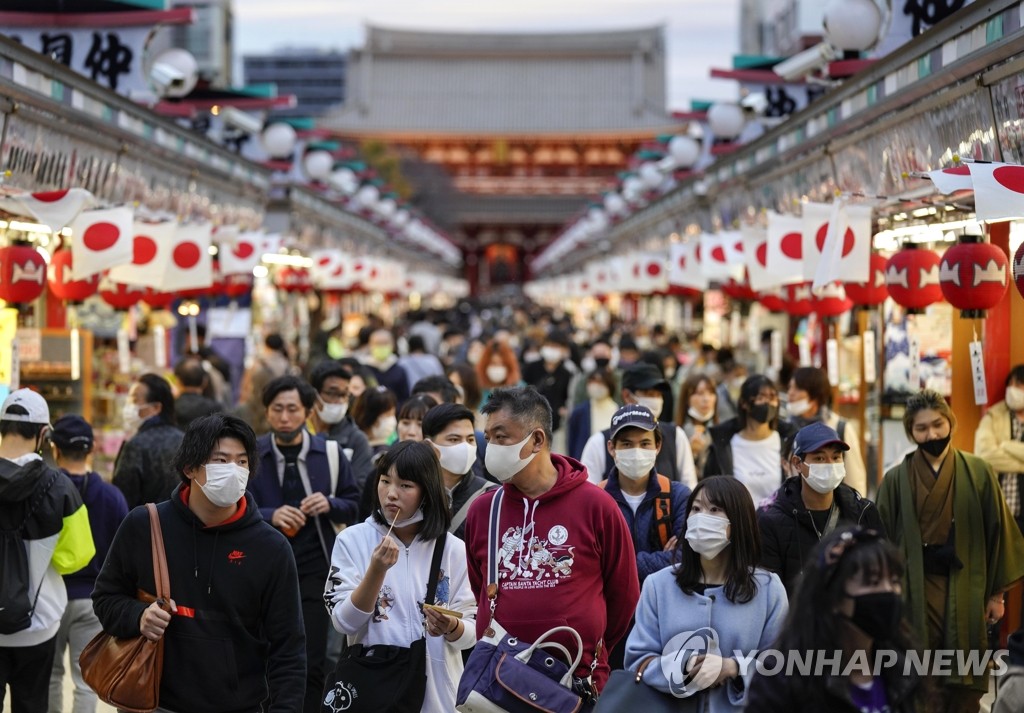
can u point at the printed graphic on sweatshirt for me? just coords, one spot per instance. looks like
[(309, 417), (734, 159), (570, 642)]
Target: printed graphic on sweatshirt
[(341, 697), (385, 602), (333, 584), (531, 562), (444, 586)]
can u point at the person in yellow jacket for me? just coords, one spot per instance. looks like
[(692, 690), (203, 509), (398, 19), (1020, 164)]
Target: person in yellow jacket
[(40, 506)]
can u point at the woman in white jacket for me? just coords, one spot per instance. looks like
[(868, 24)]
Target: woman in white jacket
[(378, 580)]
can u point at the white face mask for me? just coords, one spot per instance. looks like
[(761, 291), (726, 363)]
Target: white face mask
[(654, 403), (458, 458), (503, 462), (384, 427), (700, 417), (798, 408), (411, 520), (333, 413), (707, 534), (597, 392), (130, 416), (1014, 398), (552, 355), (497, 373), (825, 477), (225, 483), (635, 463)]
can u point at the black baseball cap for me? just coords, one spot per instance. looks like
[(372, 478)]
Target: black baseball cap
[(643, 376), (814, 437), (632, 416), (72, 432)]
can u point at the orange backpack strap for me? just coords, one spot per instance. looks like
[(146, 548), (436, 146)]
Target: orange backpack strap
[(663, 510)]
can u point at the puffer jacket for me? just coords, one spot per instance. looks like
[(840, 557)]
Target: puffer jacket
[(144, 469)]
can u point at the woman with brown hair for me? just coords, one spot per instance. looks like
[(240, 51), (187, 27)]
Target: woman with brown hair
[(497, 367), (697, 412)]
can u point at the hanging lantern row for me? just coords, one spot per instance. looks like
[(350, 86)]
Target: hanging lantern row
[(973, 276)]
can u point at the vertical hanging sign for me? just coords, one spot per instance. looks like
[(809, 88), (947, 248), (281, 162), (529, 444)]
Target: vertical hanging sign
[(832, 356), (124, 352), (915, 363), (776, 346), (159, 347), (76, 354), (870, 357), (978, 374)]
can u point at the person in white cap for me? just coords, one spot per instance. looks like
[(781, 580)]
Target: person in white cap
[(43, 508)]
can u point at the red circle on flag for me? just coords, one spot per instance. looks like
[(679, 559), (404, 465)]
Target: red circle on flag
[(848, 240), (738, 247), (186, 255), (324, 261), (143, 250), (958, 171), (718, 254), (100, 236), (653, 269), (793, 246), (762, 254), (339, 270), (682, 262), (1011, 177), (244, 250), (50, 196)]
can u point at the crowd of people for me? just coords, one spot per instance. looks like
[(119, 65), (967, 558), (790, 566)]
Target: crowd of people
[(627, 484)]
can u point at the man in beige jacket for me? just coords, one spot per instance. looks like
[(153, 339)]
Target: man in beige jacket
[(1000, 441)]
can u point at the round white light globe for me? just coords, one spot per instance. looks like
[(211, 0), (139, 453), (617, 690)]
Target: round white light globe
[(614, 204), (726, 120), (650, 175), (279, 140), (318, 165), (597, 220), (185, 72), (685, 151), (345, 180), (632, 188), (852, 25), (387, 208), (367, 196)]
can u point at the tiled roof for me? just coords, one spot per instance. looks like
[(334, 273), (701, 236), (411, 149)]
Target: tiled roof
[(451, 83)]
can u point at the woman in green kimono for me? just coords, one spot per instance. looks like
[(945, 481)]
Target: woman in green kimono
[(944, 508)]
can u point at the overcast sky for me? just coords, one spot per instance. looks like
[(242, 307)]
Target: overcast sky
[(701, 33)]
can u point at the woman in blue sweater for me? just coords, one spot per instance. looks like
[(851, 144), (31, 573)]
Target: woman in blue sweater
[(699, 623)]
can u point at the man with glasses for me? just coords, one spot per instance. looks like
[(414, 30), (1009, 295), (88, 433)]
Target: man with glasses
[(330, 418)]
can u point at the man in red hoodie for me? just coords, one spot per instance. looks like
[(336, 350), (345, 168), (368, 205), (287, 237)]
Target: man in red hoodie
[(565, 557)]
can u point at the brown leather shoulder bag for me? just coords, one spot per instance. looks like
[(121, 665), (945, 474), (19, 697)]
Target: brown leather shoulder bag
[(125, 673)]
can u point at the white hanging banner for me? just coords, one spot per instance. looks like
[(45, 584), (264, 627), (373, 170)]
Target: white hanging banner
[(832, 356), (784, 259), (159, 347), (915, 363), (776, 347), (870, 357), (688, 317), (978, 373), (76, 354), (804, 346), (124, 352), (735, 328)]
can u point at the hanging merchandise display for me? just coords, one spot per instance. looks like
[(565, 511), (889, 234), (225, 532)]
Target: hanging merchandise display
[(912, 277), (973, 276), (22, 274), (873, 292), (62, 285)]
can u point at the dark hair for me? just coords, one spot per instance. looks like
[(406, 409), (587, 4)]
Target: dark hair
[(189, 372), (922, 401), (815, 382), (327, 369), (21, 429), (280, 384), (437, 385), (370, 405), (749, 392), (605, 376), (416, 408), (525, 404), (471, 393), (1016, 374), (202, 435), (275, 342), (361, 370), (844, 554), (439, 418), (417, 462), (416, 343), (158, 391), (689, 388), (745, 541)]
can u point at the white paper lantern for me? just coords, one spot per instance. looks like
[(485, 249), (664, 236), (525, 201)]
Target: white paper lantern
[(650, 175), (174, 73), (345, 180), (367, 196), (318, 165), (597, 220), (684, 150), (726, 120), (401, 219), (852, 25), (279, 140), (614, 204), (387, 208), (632, 188)]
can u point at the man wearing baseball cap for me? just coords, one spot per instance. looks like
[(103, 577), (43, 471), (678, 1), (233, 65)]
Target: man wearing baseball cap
[(811, 504), (72, 443), (46, 511), (644, 384)]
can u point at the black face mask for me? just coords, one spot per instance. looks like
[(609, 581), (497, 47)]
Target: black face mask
[(877, 614), (288, 436), (936, 446), (602, 363), (763, 413)]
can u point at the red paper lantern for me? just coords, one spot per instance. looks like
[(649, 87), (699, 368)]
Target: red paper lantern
[(773, 300), (740, 290), (158, 300), (831, 301), (61, 284), (912, 277), (686, 293), (121, 296), (236, 286), (972, 276), (294, 279), (22, 274), (873, 292), (1018, 269), (799, 301)]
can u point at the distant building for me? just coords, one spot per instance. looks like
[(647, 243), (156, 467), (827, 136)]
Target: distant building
[(210, 39), (315, 78), (779, 28)]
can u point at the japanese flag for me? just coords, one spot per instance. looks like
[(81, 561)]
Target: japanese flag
[(755, 241), (817, 217), (647, 273), (151, 253), (55, 209), (998, 190), (684, 266), (785, 248), (330, 270), (719, 259), (599, 277), (101, 239), (951, 180), (241, 253), (846, 250), (190, 266)]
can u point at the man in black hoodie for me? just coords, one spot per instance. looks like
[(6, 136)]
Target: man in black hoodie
[(810, 505), (234, 622)]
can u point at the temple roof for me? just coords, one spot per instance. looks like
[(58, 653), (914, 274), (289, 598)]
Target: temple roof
[(436, 83)]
